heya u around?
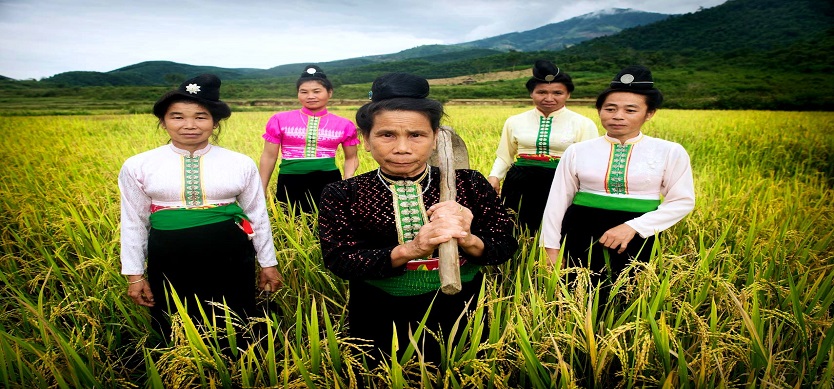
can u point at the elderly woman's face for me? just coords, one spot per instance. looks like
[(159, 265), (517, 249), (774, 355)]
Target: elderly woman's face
[(313, 95), (550, 97), (401, 142), (189, 124), (623, 114)]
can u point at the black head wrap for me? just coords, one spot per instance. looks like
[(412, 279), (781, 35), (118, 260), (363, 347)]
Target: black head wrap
[(203, 89), (394, 85), (635, 79), (312, 72), (545, 72), (399, 92)]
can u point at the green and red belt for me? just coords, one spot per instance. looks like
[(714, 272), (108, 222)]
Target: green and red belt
[(541, 160), (427, 264), (420, 277)]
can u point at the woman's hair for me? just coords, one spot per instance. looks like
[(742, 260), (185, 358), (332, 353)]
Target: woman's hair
[(399, 92), (323, 81), (203, 90), (635, 79), (432, 109), (654, 98), (216, 112), (545, 72), (561, 78), (314, 73)]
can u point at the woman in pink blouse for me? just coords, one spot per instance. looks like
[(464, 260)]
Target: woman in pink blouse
[(306, 140)]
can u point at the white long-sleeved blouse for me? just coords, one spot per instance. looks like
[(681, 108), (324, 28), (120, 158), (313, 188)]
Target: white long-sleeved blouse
[(158, 178), (652, 169), (521, 135)]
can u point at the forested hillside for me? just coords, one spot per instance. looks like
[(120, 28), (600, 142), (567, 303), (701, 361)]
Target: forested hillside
[(550, 37), (743, 54), (558, 36), (737, 25)]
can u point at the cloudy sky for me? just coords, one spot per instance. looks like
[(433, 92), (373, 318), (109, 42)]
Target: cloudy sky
[(40, 38)]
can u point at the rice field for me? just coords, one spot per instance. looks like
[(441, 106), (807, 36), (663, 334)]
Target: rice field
[(739, 294)]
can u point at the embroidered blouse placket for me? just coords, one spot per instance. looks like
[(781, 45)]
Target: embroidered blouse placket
[(312, 137), (543, 139), (409, 208), (615, 182), (193, 191)]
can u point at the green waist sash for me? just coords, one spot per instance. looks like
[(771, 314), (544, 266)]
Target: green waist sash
[(307, 165), (415, 282), (182, 218), (540, 161), (615, 203)]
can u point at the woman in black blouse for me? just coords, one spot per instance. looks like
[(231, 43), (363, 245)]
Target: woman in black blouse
[(381, 230)]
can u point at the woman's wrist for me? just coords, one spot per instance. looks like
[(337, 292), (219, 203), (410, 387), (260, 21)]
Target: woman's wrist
[(135, 278), (403, 253), (472, 245)]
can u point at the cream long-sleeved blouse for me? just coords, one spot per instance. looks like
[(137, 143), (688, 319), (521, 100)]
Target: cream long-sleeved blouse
[(520, 135)]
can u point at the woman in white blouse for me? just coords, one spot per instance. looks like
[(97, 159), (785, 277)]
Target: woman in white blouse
[(532, 143), (193, 215), (611, 195)]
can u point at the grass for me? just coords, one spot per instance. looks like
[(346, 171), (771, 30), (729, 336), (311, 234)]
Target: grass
[(739, 294)]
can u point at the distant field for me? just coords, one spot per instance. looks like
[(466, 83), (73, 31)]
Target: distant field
[(739, 294), (70, 107), (481, 77), (692, 87)]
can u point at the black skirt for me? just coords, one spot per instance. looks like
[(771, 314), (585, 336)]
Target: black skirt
[(212, 262), (581, 229), (525, 191), (372, 312), (303, 191)]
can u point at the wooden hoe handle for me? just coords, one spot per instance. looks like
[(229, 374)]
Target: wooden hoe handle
[(449, 265)]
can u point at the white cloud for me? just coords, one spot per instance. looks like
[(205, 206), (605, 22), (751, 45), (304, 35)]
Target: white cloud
[(40, 38)]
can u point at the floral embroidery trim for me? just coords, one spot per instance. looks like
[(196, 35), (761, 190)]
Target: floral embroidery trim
[(543, 137), (192, 89), (312, 136), (615, 179), (409, 209), (193, 188)]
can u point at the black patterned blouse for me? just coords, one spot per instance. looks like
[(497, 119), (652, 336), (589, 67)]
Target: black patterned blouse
[(358, 232)]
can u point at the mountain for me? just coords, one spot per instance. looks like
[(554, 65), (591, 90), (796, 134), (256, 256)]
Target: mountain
[(739, 36), (743, 54), (547, 38), (747, 25), (437, 54), (557, 36), (145, 73), (152, 73)]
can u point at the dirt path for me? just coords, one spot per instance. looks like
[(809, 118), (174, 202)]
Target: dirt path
[(508, 75)]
